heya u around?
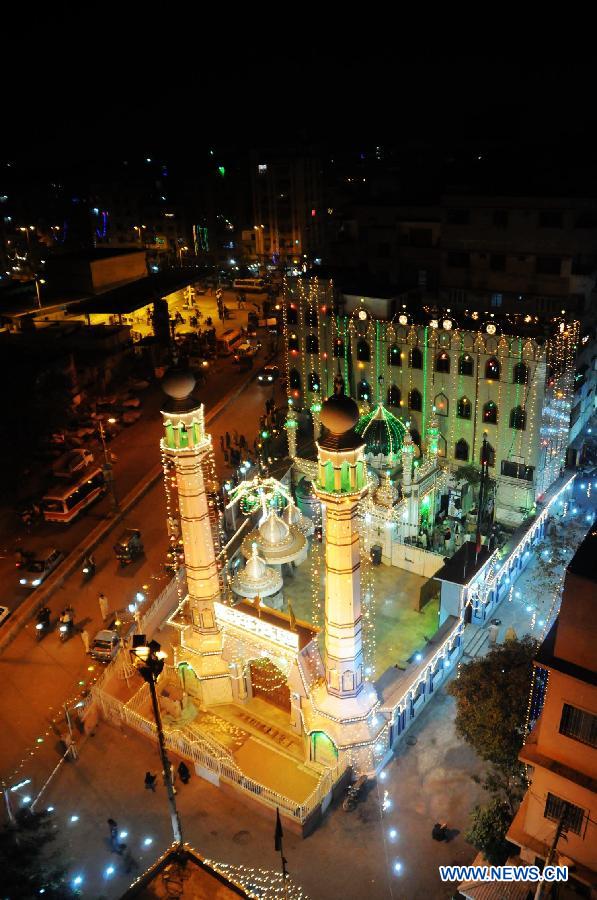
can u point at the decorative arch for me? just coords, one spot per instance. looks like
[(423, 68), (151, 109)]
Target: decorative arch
[(394, 396), (466, 364), (415, 401), (461, 450), (442, 362), (464, 408), (363, 350), (492, 369), (394, 356), (442, 405), (416, 358), (312, 343), (490, 413), (520, 373), (518, 418)]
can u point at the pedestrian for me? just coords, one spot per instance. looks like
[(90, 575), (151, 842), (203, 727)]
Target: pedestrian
[(243, 442), (117, 847), (235, 434), (447, 536), (104, 606), (129, 863), (228, 440), (183, 772), (85, 639), (221, 442), (150, 781)]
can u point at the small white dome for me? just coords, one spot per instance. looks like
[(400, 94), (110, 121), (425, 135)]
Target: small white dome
[(274, 530)]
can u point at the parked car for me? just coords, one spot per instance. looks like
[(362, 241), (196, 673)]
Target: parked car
[(105, 645), (71, 462), (40, 566), (130, 416), (4, 613), (268, 374)]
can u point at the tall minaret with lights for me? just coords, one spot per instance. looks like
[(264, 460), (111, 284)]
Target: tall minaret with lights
[(348, 699), (186, 444)]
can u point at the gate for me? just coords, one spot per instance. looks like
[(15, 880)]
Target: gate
[(269, 682)]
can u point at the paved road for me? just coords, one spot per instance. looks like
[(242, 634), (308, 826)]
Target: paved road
[(38, 677)]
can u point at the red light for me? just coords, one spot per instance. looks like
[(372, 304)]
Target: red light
[(325, 356), (313, 213)]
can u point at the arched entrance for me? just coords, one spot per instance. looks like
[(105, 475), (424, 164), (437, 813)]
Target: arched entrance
[(323, 749), (269, 682)]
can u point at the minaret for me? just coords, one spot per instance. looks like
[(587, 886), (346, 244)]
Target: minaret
[(341, 484), (186, 444)]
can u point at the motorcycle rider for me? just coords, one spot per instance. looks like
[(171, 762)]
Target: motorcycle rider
[(89, 565), (43, 616), (66, 618)]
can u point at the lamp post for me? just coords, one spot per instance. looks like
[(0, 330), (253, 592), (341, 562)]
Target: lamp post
[(149, 662), (38, 282), (107, 467)]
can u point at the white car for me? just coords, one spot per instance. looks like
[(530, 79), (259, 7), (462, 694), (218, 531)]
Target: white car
[(40, 567)]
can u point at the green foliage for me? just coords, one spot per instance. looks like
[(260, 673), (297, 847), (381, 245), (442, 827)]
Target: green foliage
[(487, 831), (492, 696), (470, 473), (27, 865), (505, 784)]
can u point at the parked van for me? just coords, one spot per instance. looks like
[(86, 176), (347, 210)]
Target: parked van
[(257, 285), (225, 344)]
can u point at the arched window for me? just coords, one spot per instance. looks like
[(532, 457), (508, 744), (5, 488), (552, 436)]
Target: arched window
[(416, 437), (293, 343), (292, 314), (312, 343), (520, 374), (466, 364), (463, 409), (461, 450), (492, 369), (338, 348), (295, 379), (363, 351), (442, 407), (363, 390), (311, 317), (394, 396), (490, 413), (415, 401), (518, 418), (313, 381), (394, 355), (490, 456), (442, 362), (416, 358), (442, 446)]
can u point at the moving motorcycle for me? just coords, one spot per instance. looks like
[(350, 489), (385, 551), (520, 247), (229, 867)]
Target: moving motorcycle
[(43, 623), (67, 624), (353, 792), (88, 567)]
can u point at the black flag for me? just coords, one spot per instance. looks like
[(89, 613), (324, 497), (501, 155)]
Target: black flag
[(279, 833)]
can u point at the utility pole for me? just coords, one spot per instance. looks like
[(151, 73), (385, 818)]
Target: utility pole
[(551, 853), (107, 467), (482, 487)]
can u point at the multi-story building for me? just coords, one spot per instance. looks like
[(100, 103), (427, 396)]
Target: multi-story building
[(288, 209), (507, 377), (558, 816)]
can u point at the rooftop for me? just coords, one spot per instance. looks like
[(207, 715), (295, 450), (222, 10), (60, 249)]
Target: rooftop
[(583, 562), (463, 566)]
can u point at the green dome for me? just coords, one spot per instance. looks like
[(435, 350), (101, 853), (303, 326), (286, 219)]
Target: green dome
[(383, 432)]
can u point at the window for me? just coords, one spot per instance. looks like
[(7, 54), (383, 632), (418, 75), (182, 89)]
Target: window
[(461, 450), (458, 260), (394, 396), (415, 400), (313, 381), (292, 315), (416, 358), (490, 413), (520, 374), (458, 217), (312, 344), (517, 470), (492, 369), (394, 355), (556, 809), (293, 343), (497, 262), (490, 455), (415, 436), (463, 408), (442, 446), (500, 218), (295, 379), (442, 362), (550, 218), (441, 405), (578, 724), (496, 299), (363, 351), (338, 348), (311, 317), (363, 390), (548, 265), (466, 365), (518, 418)]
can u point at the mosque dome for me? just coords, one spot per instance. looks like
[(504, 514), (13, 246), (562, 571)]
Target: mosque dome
[(257, 579), (274, 530), (178, 383), (383, 432), (339, 413), (276, 541)]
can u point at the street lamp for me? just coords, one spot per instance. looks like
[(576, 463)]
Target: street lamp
[(148, 659), (107, 467), (39, 281)]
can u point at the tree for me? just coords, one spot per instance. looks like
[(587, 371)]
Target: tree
[(487, 831), (28, 867), (492, 696)]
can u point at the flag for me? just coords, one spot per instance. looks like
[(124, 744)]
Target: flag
[(279, 833), (291, 617)]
